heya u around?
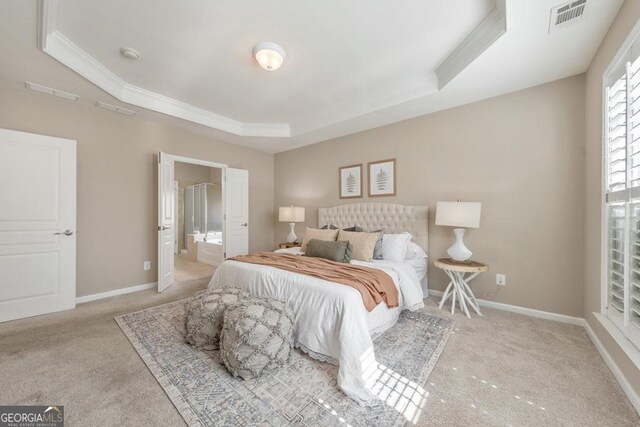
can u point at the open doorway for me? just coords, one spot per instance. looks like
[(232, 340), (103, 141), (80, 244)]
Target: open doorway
[(203, 217), (198, 237)]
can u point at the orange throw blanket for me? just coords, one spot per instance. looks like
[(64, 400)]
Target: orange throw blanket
[(374, 285)]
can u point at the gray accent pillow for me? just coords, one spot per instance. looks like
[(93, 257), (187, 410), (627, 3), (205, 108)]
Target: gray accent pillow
[(257, 337), (205, 313), (377, 251), (329, 227), (339, 251)]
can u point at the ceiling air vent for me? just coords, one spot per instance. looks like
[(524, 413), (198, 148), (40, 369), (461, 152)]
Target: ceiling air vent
[(50, 91), (115, 109), (567, 14)]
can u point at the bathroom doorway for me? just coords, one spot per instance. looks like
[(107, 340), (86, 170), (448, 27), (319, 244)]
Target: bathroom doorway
[(203, 217), (199, 217)]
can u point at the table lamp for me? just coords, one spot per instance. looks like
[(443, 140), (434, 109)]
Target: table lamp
[(291, 215), (460, 215)]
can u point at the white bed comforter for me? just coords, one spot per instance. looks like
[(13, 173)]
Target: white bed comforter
[(331, 322)]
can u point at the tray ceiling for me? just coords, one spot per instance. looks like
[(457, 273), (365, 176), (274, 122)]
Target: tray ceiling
[(350, 66), (344, 59)]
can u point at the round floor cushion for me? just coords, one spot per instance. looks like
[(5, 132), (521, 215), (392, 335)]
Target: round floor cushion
[(205, 315), (257, 337)]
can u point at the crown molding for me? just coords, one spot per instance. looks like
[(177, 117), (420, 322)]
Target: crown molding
[(66, 52), (481, 38), (55, 44), (47, 15)]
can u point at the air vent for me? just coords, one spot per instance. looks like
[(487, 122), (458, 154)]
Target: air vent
[(567, 14), (50, 91), (115, 109)]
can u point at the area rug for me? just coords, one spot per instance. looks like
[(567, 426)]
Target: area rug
[(304, 393)]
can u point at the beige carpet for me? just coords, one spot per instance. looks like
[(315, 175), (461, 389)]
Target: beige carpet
[(190, 270), (501, 369)]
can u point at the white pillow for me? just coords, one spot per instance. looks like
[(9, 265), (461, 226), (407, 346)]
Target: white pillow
[(394, 246), (415, 251)]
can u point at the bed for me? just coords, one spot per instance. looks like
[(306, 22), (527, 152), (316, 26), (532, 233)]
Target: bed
[(332, 324)]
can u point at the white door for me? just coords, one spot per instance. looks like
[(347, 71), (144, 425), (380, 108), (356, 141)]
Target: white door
[(37, 224), (166, 221), (236, 212), (176, 194)]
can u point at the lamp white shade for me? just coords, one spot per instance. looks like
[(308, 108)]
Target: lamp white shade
[(458, 214), (291, 214)]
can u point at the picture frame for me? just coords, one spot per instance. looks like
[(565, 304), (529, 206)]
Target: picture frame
[(382, 178), (350, 181)]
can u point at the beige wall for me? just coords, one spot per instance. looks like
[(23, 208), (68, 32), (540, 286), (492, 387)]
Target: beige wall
[(117, 183), (620, 29), (192, 173), (215, 175), (520, 154)]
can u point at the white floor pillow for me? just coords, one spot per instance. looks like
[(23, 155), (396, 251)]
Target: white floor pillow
[(205, 314), (257, 337)]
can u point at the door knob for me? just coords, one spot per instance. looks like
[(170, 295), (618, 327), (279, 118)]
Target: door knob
[(246, 224), (65, 233)]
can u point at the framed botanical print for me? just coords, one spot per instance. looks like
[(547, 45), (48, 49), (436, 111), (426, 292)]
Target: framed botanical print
[(382, 178), (350, 181)]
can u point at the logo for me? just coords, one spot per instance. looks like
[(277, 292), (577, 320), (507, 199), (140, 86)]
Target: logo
[(32, 416)]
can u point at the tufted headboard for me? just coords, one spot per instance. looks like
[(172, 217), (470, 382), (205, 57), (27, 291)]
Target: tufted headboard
[(374, 216)]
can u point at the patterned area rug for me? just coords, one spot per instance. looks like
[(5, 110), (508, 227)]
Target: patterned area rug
[(304, 393)]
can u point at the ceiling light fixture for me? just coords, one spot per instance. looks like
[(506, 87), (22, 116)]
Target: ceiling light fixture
[(129, 53), (269, 55)]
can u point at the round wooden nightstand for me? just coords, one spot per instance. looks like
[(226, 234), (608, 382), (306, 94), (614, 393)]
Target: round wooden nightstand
[(460, 274)]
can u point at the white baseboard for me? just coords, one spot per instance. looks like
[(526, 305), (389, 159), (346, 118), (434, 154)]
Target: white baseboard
[(579, 321), (633, 397), (116, 292)]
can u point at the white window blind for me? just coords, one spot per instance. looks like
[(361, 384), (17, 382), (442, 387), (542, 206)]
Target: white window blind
[(622, 164), (634, 280)]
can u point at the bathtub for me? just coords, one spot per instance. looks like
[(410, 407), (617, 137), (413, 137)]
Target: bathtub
[(210, 252)]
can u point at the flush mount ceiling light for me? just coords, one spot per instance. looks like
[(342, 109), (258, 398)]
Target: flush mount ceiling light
[(129, 53), (269, 55)]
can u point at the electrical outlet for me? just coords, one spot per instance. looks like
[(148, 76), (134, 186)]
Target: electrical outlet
[(147, 265), (501, 280)]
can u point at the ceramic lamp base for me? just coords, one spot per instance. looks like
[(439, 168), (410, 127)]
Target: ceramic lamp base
[(458, 251), (292, 234)]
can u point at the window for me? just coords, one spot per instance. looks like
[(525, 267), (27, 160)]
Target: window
[(622, 192)]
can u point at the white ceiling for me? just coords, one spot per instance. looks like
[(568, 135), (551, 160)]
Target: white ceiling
[(351, 65), (344, 54)]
